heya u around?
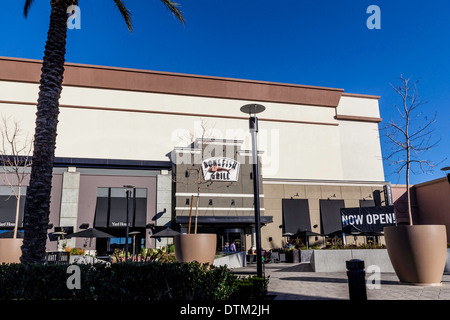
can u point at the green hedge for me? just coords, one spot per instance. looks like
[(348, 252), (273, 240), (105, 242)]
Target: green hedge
[(129, 281)]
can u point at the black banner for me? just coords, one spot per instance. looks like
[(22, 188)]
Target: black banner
[(367, 220)]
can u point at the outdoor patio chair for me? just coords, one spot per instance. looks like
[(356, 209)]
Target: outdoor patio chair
[(282, 257)]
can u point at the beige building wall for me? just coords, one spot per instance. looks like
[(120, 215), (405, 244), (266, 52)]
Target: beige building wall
[(298, 141)]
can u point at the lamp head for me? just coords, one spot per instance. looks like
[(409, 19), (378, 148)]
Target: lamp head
[(252, 108)]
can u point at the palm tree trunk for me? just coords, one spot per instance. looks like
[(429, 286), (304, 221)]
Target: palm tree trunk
[(37, 207)]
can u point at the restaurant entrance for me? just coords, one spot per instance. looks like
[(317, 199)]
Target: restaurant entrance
[(230, 235)]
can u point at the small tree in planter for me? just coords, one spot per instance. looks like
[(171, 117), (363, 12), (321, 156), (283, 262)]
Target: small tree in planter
[(15, 151), (196, 246), (417, 252), (15, 154), (411, 136)]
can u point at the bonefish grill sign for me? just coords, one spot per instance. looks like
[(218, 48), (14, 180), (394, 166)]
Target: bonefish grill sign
[(220, 169)]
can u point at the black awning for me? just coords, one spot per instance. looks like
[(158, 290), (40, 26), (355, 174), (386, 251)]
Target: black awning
[(118, 213), (111, 210), (295, 216), (224, 219), (330, 215), (101, 213)]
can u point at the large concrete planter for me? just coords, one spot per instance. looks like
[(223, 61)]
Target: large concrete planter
[(200, 247), (330, 260), (418, 253), (10, 251), (232, 260), (292, 256)]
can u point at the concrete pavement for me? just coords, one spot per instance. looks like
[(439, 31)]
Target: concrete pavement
[(289, 281)]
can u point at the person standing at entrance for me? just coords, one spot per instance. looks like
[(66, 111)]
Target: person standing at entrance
[(227, 247), (233, 246)]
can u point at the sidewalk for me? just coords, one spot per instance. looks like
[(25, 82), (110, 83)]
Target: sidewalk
[(288, 281)]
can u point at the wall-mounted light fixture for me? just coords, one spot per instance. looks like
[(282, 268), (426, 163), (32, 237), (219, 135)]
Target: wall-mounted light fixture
[(187, 201), (210, 202), (233, 203)]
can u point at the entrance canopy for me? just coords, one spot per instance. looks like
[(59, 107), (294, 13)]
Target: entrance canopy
[(224, 219)]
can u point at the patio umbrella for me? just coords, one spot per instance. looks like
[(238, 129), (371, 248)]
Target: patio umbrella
[(90, 233), (166, 233), (287, 234), (307, 234)]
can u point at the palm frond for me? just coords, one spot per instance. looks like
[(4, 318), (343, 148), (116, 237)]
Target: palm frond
[(126, 14), (174, 8), (27, 6)]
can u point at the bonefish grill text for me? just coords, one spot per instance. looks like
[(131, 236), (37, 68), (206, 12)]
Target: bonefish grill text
[(220, 169)]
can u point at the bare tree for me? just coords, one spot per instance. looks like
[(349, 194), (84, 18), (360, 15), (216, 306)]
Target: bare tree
[(15, 157), (195, 172), (411, 135)]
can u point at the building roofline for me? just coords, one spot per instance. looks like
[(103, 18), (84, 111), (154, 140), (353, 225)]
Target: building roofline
[(104, 77)]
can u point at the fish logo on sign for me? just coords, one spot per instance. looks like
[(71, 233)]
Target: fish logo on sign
[(220, 169)]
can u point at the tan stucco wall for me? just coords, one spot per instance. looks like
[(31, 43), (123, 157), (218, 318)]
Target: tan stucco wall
[(274, 193)]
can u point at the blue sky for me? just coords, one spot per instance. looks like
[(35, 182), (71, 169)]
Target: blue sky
[(310, 42)]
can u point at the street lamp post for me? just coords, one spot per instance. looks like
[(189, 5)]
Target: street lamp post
[(253, 109), (128, 190)]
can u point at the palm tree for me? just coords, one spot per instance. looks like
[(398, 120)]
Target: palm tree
[(37, 207)]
